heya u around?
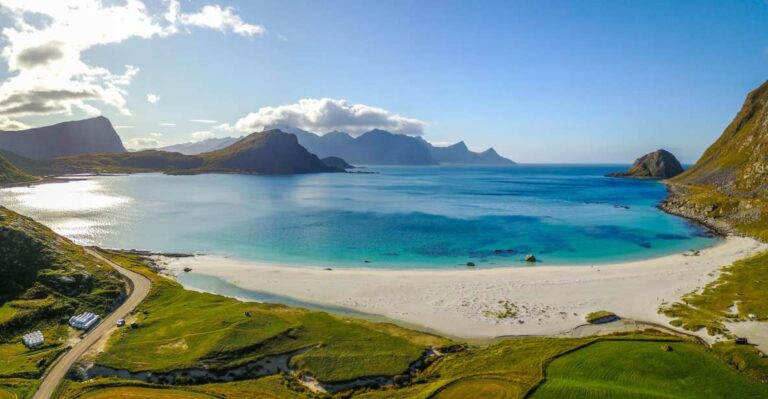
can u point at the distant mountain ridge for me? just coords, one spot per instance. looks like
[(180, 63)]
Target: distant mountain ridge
[(87, 136), (271, 152), (199, 147), (459, 154), (379, 147), (376, 147)]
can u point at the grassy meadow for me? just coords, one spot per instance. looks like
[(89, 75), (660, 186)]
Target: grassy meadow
[(639, 370), (645, 365), (176, 328), (744, 284)]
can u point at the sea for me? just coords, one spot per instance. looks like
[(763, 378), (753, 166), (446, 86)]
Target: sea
[(397, 217)]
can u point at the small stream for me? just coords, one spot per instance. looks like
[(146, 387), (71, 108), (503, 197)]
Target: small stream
[(269, 365)]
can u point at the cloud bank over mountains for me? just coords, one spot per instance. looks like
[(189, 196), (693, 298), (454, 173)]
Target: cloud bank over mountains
[(44, 43), (322, 115), (43, 51), (314, 115)]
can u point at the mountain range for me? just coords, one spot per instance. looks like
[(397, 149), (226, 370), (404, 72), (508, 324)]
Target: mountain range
[(376, 147), (93, 146), (459, 154), (87, 136), (271, 152)]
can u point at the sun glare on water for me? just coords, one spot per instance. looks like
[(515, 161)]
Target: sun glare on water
[(76, 196)]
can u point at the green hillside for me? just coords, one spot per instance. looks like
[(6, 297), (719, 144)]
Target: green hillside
[(44, 279), (270, 152), (128, 162), (11, 174), (728, 187), (736, 163)]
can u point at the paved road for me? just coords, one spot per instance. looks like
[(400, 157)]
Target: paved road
[(138, 290)]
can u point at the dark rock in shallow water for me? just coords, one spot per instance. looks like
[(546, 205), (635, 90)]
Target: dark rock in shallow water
[(470, 264), (530, 258), (660, 164)]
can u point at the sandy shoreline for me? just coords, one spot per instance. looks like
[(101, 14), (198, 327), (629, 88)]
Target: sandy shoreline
[(551, 299)]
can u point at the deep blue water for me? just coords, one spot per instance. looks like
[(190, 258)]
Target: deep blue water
[(402, 217)]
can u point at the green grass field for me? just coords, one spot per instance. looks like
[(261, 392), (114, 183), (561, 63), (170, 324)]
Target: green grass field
[(623, 366), (271, 387), (643, 370), (179, 329), (17, 388), (143, 393)]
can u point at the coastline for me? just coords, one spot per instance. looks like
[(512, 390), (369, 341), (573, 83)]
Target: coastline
[(467, 303)]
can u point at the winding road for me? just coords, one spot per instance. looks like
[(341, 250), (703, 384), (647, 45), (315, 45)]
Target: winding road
[(138, 288)]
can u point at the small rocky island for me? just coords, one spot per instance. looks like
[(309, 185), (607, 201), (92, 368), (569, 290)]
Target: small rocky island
[(660, 164)]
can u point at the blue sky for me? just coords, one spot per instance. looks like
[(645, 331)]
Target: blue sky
[(587, 81)]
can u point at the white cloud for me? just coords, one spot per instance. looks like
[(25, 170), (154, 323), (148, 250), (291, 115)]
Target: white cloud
[(152, 98), (167, 124), (142, 143), (222, 19), (326, 114), (9, 124), (156, 134), (442, 143), (43, 45), (202, 135), (225, 127), (206, 121)]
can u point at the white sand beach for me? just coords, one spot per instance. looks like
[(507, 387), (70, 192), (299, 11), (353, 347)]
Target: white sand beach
[(551, 299)]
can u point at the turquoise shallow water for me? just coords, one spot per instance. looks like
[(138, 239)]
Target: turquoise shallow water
[(402, 217)]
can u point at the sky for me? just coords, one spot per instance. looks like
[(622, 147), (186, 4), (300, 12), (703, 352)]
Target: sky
[(540, 81)]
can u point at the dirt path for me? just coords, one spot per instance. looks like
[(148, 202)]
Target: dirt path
[(138, 289)]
